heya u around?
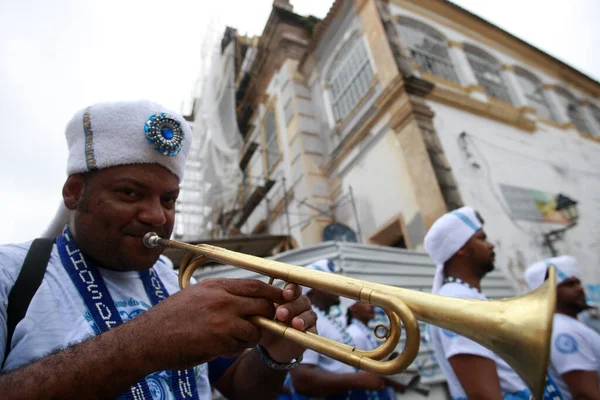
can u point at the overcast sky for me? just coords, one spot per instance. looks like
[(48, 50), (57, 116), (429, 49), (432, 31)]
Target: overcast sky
[(62, 55)]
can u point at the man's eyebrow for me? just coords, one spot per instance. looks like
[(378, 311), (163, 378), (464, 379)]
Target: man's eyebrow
[(131, 181), (142, 186)]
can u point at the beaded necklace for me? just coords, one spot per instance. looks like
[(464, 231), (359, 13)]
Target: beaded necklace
[(452, 279)]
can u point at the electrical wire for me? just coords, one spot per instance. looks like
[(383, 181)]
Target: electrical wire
[(490, 181), (529, 157)]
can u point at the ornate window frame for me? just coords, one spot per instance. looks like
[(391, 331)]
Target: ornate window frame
[(533, 90), (433, 57), (348, 79), (572, 109), (488, 71)]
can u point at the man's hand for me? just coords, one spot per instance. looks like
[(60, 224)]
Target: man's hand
[(209, 319), (295, 310), (190, 327), (193, 326)]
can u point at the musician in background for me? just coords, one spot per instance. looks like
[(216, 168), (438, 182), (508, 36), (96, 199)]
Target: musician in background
[(319, 376), (575, 347), (463, 256), (102, 324)]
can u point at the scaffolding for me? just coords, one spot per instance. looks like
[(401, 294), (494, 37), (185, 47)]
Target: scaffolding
[(212, 172), (217, 195)]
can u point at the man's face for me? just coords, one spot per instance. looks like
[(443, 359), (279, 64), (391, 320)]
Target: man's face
[(481, 252), (327, 299), (363, 311), (570, 295), (118, 206)]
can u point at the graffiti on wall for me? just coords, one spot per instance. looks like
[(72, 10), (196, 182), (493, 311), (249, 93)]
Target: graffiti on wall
[(532, 205)]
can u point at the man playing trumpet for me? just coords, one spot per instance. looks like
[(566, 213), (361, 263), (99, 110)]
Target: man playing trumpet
[(107, 320)]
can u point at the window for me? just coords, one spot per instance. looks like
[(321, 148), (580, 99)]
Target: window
[(488, 72), (532, 87), (350, 77), (428, 48), (271, 143), (570, 103)]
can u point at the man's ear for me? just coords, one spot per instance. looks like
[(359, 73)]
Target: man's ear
[(73, 191), (464, 251)]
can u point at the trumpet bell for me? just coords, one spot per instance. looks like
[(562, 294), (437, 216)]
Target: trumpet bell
[(517, 329)]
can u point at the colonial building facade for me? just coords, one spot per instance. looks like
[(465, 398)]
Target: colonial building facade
[(371, 123), (368, 125)]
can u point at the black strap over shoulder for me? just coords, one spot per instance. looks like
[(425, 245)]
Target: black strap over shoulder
[(28, 282)]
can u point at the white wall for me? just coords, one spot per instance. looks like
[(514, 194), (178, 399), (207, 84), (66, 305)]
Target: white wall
[(379, 178), (551, 160)]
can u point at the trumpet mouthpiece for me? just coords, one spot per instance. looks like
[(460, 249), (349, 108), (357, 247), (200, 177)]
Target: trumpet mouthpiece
[(151, 240)]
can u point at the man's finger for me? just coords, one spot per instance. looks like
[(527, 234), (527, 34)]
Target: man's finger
[(291, 291), (305, 321), (247, 334), (249, 306), (253, 288), (287, 311)]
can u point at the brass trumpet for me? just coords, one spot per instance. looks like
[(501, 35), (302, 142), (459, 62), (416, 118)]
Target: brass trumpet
[(516, 329)]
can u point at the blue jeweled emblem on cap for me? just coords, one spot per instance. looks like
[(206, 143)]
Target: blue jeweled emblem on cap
[(164, 133)]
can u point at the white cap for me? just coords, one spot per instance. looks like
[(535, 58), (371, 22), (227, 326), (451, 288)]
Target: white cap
[(120, 133), (446, 236), (138, 132), (566, 267)]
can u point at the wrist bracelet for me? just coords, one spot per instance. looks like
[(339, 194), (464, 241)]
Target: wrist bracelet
[(264, 356)]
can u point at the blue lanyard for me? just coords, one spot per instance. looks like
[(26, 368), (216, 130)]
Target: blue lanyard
[(92, 289)]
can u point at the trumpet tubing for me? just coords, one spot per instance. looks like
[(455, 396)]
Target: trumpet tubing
[(517, 329)]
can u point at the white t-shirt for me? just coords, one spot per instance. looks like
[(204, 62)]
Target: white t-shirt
[(448, 344), (575, 347), (57, 316), (362, 336), (326, 328)]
